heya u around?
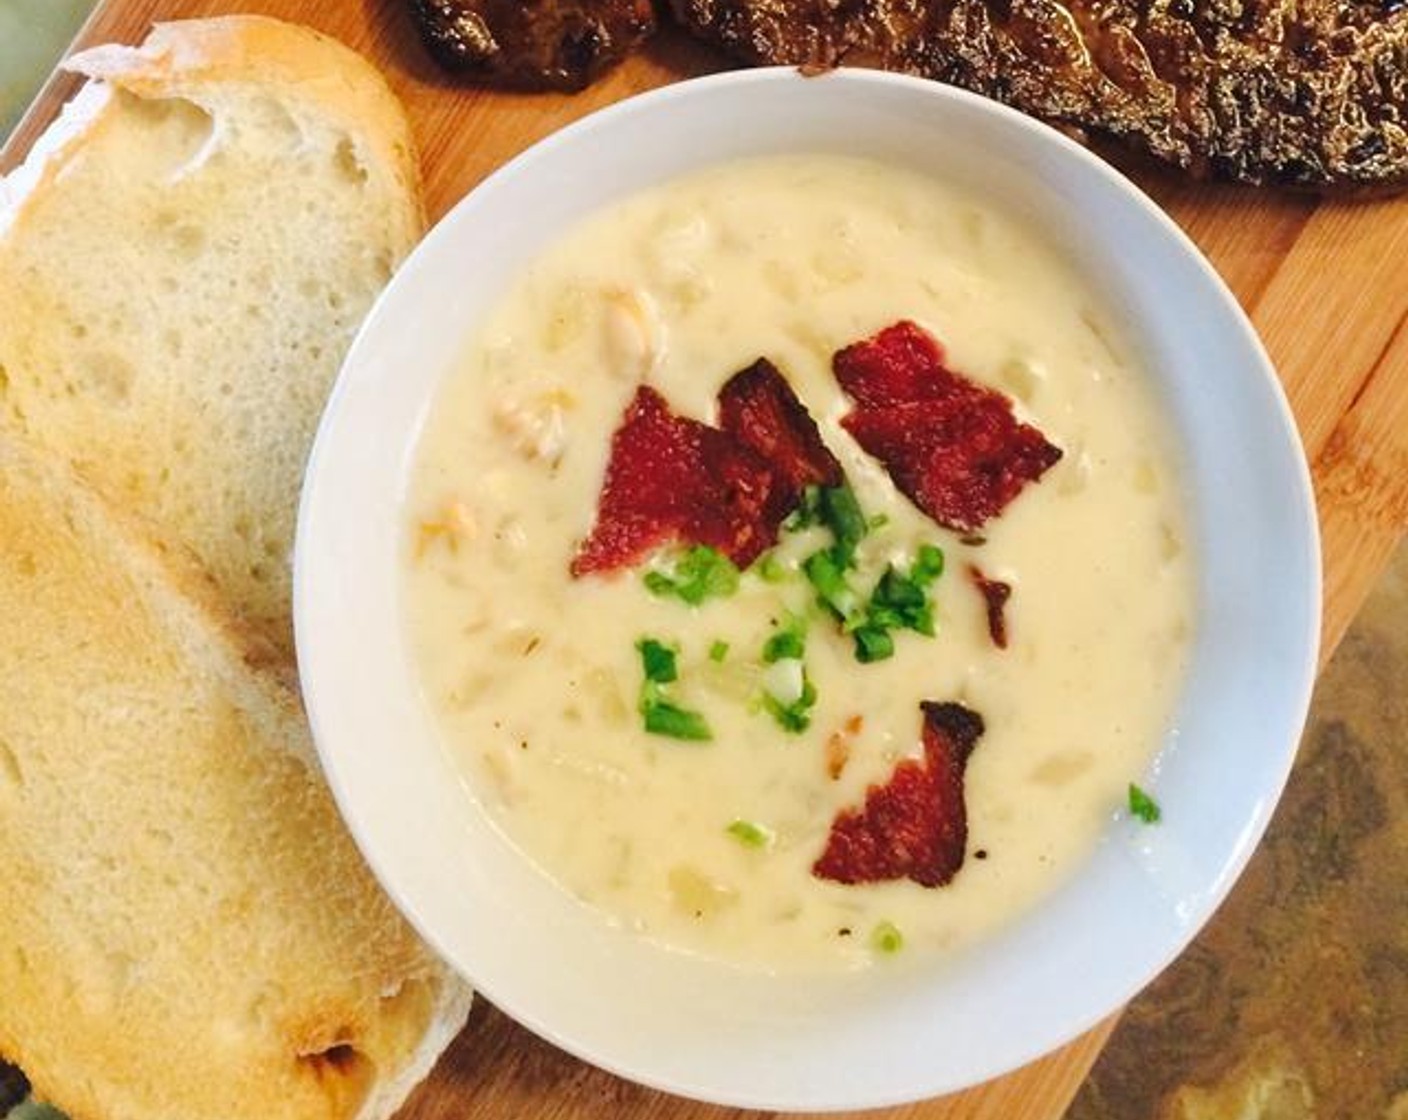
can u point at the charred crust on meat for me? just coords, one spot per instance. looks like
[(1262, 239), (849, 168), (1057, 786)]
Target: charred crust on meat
[(1300, 93), (532, 44), (1306, 94)]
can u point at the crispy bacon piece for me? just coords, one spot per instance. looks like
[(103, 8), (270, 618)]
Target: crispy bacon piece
[(953, 447), (901, 364), (915, 826), (760, 410), (995, 593), (670, 478)]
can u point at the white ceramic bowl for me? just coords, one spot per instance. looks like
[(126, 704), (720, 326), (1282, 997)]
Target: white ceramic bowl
[(924, 1026)]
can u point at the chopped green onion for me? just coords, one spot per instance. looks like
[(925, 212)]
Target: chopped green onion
[(928, 565), (878, 520), (750, 835), (900, 602), (826, 572), (700, 573), (718, 651), (795, 717), (657, 661), (808, 511), (836, 508), (873, 643), (886, 938), (770, 568), (784, 644), (665, 718), (1143, 806), (842, 515)]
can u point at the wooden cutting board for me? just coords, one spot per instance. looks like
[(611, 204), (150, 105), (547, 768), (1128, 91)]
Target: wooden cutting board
[(1322, 281)]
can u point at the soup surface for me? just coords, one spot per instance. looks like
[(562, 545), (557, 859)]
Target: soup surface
[(537, 679)]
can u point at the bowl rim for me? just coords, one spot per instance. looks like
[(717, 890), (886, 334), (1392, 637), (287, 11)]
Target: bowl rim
[(310, 577)]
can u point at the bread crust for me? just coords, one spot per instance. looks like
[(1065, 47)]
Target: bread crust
[(190, 58), (305, 257), (188, 931)]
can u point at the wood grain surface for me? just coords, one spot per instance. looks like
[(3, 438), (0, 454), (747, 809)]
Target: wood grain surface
[(1321, 280)]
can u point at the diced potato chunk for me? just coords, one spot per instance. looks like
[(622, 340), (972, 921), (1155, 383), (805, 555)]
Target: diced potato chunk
[(695, 893)]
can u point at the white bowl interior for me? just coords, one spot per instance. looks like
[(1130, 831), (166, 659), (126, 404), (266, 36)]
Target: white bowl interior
[(923, 1026)]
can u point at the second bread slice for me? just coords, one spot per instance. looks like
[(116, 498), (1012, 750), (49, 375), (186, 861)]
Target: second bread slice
[(184, 260), (187, 929)]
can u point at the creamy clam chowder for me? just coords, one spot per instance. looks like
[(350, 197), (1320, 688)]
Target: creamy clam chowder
[(536, 678)]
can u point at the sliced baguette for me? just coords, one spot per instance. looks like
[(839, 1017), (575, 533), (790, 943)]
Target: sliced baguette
[(188, 931), (183, 262)]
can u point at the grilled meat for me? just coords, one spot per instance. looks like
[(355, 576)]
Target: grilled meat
[(1298, 92), (532, 44), (1310, 93)]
